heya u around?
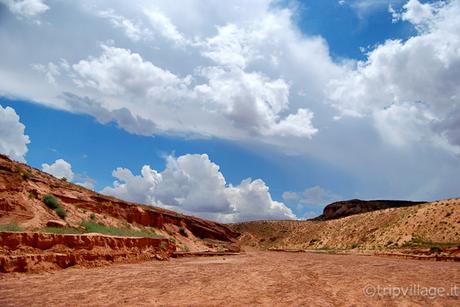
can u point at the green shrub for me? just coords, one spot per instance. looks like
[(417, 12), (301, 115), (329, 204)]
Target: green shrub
[(61, 212), (51, 201), (183, 231), (12, 227)]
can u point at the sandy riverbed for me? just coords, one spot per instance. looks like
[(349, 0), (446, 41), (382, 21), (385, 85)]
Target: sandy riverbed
[(255, 278)]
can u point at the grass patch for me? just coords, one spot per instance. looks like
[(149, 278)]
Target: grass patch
[(61, 230), (91, 226), (419, 242), (12, 227)]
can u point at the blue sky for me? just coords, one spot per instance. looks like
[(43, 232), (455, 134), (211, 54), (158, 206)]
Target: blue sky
[(348, 29), (281, 93)]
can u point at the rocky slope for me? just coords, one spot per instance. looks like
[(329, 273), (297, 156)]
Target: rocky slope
[(29, 252), (22, 190), (430, 225)]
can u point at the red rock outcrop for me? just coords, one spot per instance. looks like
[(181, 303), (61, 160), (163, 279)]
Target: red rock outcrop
[(22, 189), (56, 223), (25, 252)]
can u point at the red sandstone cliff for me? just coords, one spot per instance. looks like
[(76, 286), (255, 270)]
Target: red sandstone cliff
[(22, 189)]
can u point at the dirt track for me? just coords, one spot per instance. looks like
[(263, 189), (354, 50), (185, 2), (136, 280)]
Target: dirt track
[(267, 278)]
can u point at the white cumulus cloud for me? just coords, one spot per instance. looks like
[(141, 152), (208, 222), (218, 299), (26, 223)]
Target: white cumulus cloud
[(243, 71), (59, 169), (119, 71), (193, 184), (63, 169), (237, 78), (89, 184), (13, 141), (418, 77)]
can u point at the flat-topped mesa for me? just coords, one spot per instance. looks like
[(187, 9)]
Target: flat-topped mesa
[(356, 206)]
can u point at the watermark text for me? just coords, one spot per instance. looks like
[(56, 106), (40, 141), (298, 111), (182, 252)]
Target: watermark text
[(414, 290)]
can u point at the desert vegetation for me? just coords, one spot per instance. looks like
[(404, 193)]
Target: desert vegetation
[(12, 227), (183, 231), (91, 226), (54, 204)]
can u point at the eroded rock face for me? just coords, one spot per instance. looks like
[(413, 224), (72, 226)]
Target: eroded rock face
[(28, 252), (22, 189), (355, 206)]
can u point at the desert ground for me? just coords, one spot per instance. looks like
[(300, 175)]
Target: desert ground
[(262, 278)]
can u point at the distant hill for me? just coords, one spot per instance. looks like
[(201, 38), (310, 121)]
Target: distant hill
[(417, 225)]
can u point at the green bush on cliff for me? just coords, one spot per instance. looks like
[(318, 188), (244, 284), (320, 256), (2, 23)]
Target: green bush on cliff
[(183, 231), (61, 212), (51, 201)]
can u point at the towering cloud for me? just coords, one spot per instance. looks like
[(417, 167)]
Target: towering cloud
[(13, 141), (193, 184)]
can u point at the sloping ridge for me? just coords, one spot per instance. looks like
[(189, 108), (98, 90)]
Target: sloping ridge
[(22, 189), (432, 225)]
